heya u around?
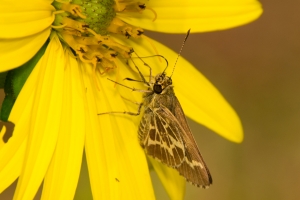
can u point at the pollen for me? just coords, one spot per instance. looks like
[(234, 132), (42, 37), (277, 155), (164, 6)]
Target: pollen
[(86, 27)]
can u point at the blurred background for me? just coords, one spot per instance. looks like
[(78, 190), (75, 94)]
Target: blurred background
[(257, 69)]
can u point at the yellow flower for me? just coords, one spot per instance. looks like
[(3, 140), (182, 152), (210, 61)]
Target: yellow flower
[(80, 44)]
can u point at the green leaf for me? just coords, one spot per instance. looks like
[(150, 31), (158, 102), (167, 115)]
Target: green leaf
[(2, 79)]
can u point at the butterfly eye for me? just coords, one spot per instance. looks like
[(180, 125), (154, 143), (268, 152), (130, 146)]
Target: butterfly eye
[(157, 88)]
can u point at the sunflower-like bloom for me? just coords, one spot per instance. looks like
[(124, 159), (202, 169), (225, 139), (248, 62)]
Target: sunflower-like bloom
[(72, 48)]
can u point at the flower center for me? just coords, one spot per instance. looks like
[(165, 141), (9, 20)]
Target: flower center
[(85, 25), (99, 14)]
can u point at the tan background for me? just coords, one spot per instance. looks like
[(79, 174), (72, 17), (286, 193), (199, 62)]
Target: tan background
[(257, 68)]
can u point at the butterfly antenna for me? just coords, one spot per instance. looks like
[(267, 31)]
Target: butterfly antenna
[(187, 35)]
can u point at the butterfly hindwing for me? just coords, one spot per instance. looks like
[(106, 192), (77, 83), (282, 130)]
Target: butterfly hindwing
[(161, 137)]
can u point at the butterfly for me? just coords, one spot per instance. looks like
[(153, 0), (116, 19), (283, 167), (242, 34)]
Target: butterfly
[(165, 135), (164, 132)]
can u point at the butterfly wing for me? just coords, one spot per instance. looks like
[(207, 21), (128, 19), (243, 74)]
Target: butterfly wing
[(160, 136), (193, 167), (172, 143)]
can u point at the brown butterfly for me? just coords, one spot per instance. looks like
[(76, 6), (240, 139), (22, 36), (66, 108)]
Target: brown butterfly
[(164, 132)]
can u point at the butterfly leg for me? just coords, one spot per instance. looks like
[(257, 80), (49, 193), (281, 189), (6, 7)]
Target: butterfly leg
[(132, 88), (137, 103), (130, 79), (145, 64), (126, 112)]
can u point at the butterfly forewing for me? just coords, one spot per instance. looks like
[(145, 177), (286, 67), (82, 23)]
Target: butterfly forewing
[(193, 167), (161, 138)]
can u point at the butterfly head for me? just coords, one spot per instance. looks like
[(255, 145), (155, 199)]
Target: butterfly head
[(161, 82)]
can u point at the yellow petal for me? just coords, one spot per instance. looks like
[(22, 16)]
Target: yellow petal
[(24, 18), (12, 169), (44, 120), (117, 165), (200, 100), (63, 173), (171, 180), (204, 103), (178, 16), (15, 52), (12, 153)]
